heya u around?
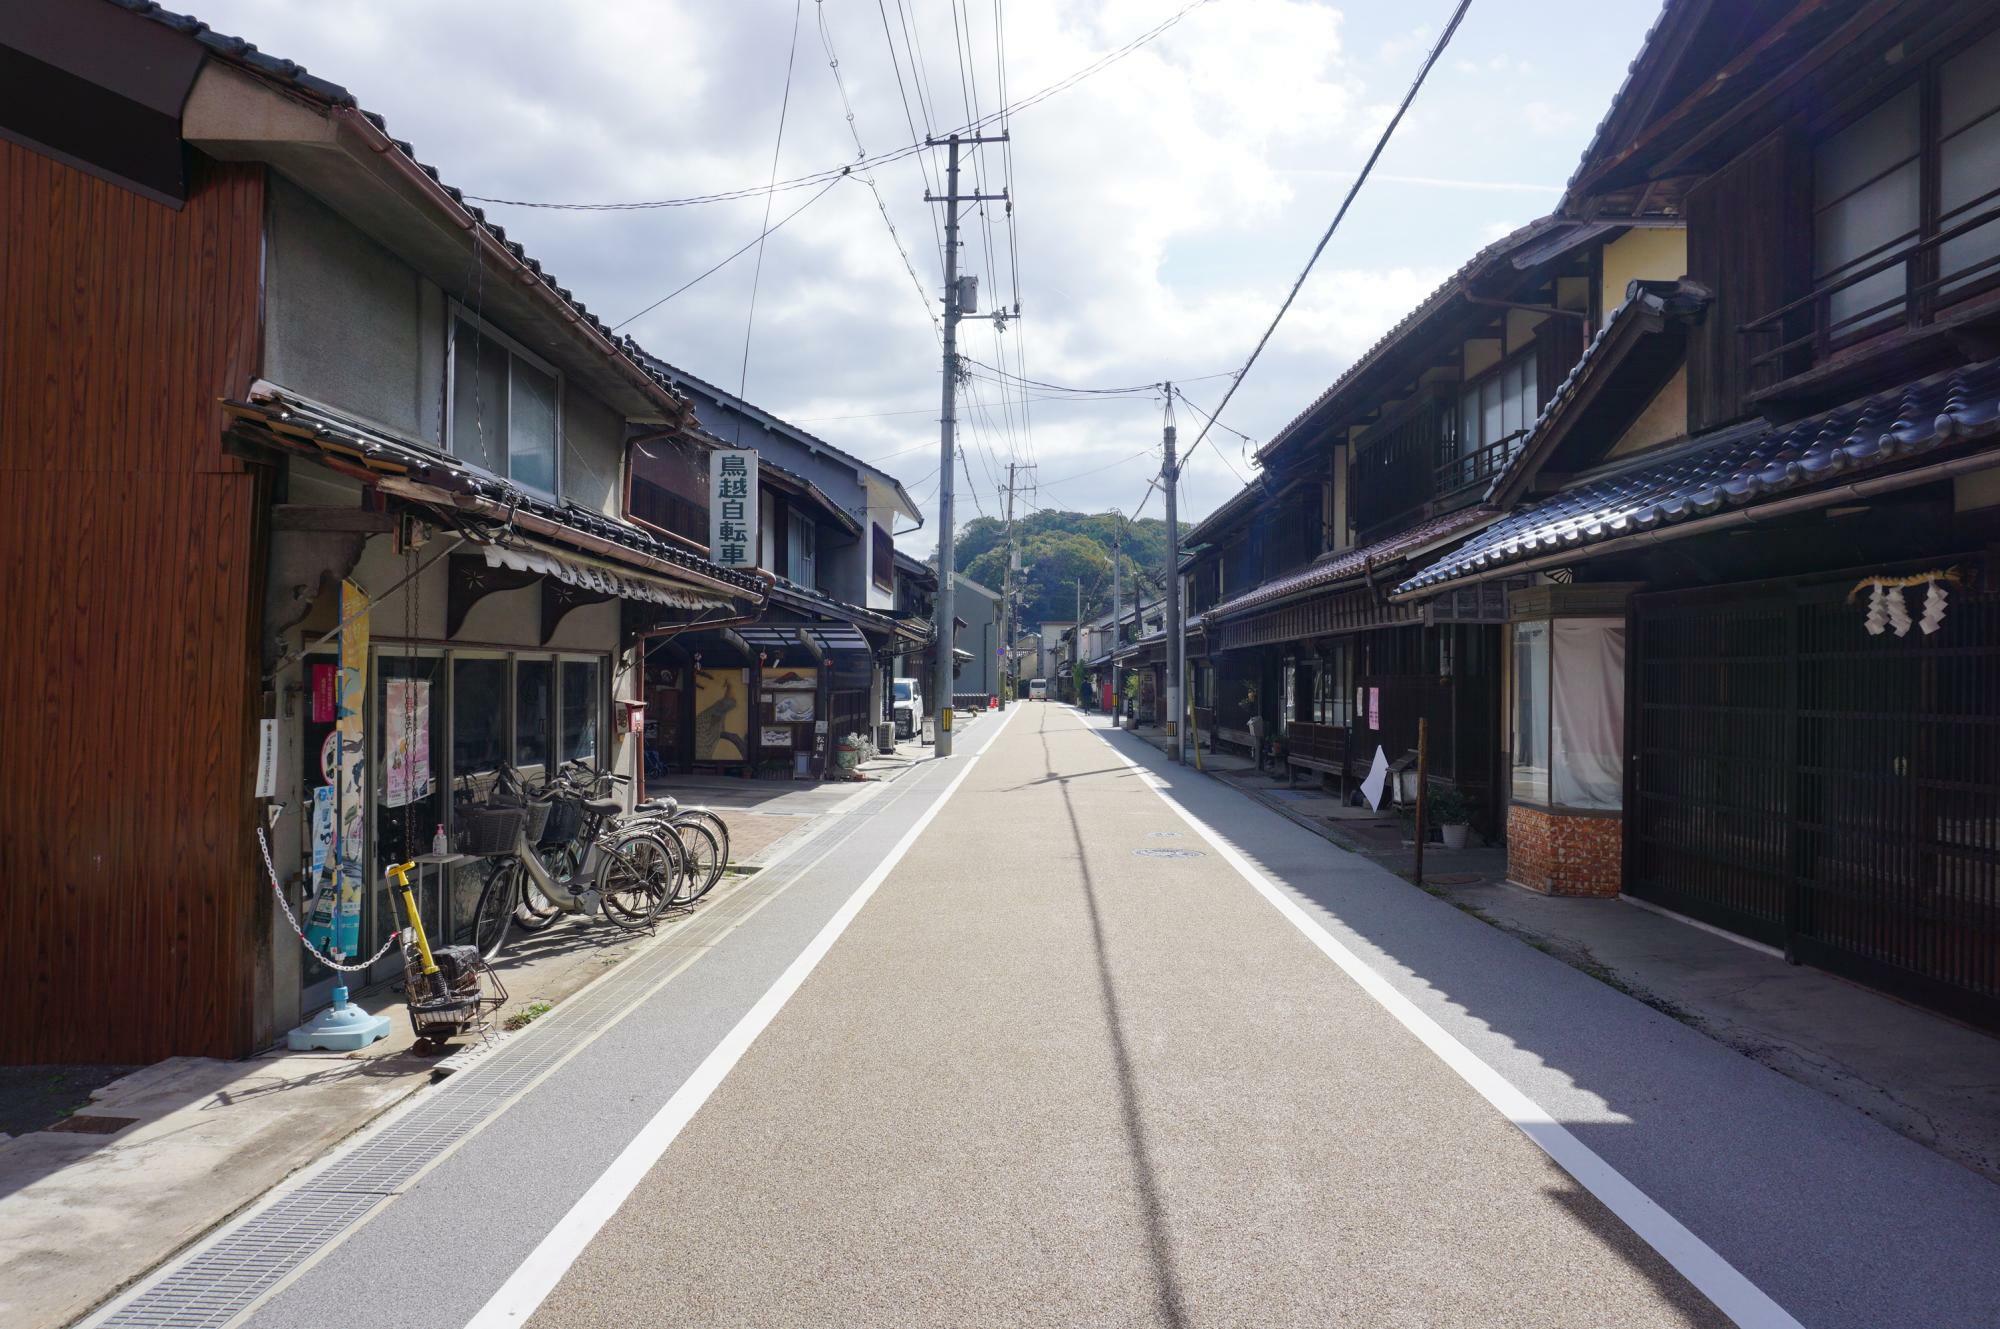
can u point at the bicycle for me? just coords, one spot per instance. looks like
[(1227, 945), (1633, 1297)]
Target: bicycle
[(703, 834), (626, 874)]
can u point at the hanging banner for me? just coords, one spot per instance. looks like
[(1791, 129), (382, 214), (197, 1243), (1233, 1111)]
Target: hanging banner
[(350, 846), (732, 507), (406, 739)]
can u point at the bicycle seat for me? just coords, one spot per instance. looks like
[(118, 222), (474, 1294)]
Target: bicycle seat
[(603, 807), (661, 804)]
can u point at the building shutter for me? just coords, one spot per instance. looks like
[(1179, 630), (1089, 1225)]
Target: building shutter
[(1749, 242)]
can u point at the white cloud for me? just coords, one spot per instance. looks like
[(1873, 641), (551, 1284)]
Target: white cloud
[(1163, 205)]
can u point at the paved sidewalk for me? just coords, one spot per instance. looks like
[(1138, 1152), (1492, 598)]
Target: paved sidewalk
[(1924, 1076), (84, 1215)]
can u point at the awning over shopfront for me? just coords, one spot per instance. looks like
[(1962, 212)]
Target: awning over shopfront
[(574, 570), (829, 637)]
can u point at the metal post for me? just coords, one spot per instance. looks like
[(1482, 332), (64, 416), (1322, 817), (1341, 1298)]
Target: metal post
[(1423, 791), (1007, 592), (1176, 659)]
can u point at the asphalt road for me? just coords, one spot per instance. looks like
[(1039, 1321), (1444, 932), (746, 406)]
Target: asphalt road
[(1048, 1075)]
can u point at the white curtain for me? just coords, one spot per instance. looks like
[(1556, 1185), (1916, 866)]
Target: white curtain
[(1588, 720)]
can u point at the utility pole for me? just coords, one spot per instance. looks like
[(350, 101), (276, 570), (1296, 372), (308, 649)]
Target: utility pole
[(1170, 476), (960, 298)]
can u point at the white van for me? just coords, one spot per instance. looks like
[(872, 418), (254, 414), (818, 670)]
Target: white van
[(1038, 689), (907, 707)]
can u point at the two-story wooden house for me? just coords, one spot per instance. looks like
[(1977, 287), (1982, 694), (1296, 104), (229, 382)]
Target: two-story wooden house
[(826, 524), (1390, 465), (312, 521), (1755, 679)]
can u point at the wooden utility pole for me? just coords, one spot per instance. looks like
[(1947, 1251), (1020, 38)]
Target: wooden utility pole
[(1170, 476)]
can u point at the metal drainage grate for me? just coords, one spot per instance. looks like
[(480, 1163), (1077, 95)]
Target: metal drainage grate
[(1168, 853), (81, 1124)]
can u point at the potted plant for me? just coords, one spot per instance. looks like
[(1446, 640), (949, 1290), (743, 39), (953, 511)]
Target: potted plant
[(1451, 812)]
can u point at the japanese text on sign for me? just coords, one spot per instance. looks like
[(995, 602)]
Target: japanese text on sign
[(732, 507)]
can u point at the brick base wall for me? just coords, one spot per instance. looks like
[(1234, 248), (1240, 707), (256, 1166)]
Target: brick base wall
[(1562, 854)]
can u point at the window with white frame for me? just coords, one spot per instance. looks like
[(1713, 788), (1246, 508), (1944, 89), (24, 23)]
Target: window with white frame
[(801, 551), (506, 406)]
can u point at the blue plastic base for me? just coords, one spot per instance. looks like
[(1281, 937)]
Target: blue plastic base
[(341, 1027)]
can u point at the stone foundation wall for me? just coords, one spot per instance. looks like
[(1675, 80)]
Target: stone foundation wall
[(1565, 853)]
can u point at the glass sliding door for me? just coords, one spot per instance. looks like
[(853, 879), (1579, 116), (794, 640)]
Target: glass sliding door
[(582, 731), (405, 783), (479, 747), (534, 713)]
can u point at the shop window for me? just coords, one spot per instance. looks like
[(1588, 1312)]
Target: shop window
[(1568, 713), (800, 562), (581, 710), (505, 406), (534, 712), (478, 715), (404, 782)]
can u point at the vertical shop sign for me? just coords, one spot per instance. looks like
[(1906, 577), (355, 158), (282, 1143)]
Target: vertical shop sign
[(1375, 709), (350, 848), (732, 507)]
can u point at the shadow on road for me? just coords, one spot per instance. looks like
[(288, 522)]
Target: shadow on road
[(1152, 1204)]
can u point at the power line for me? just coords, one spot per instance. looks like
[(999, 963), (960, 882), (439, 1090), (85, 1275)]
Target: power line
[(750, 320), (1382, 142), (710, 272), (907, 150)]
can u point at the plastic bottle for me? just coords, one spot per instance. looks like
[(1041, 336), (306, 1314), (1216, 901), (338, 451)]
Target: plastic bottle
[(439, 845)]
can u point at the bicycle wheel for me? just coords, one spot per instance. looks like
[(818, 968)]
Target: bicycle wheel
[(704, 860), (716, 827), (641, 874), (496, 908)]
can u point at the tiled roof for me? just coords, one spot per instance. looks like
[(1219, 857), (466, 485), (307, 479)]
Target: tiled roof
[(1736, 471), (305, 426), (294, 76), (1432, 303), (1643, 299), (1347, 564)]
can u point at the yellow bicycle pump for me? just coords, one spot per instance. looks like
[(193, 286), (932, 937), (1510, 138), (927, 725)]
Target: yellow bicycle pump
[(401, 872)]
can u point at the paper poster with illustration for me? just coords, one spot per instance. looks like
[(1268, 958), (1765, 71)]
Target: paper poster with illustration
[(350, 841), (322, 830), (791, 678), (792, 707), (721, 715), (406, 736), (774, 738)]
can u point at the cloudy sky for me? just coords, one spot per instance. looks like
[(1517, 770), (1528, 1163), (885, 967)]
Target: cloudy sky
[(1162, 206)]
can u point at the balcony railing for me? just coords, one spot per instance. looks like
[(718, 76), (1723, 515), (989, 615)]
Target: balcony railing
[(1807, 324), (1457, 471)]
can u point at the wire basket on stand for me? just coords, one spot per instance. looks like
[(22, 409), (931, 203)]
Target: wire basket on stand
[(470, 993)]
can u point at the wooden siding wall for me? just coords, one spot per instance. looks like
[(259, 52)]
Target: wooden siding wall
[(132, 915)]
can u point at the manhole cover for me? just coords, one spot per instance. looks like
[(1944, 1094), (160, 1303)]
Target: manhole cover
[(1167, 853), (1163, 835), (82, 1125)]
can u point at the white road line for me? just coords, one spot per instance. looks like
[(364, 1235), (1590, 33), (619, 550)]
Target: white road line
[(1718, 1280), (545, 1266)]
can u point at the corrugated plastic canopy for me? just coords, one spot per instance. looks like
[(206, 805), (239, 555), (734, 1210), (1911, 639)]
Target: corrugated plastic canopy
[(532, 556)]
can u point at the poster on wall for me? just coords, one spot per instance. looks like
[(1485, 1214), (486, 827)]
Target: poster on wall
[(406, 735), (350, 846), (322, 693), (1375, 708), (732, 507), (792, 707), (791, 678), (722, 715), (322, 830), (774, 738)]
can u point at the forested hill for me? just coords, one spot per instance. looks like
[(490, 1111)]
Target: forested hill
[(1058, 549)]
